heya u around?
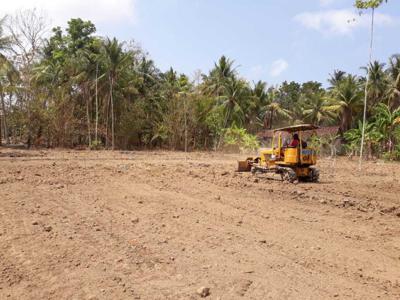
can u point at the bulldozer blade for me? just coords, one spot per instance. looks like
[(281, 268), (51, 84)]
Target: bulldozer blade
[(244, 166)]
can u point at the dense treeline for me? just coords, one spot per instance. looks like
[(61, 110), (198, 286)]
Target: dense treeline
[(75, 88)]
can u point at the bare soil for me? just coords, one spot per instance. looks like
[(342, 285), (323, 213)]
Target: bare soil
[(161, 225)]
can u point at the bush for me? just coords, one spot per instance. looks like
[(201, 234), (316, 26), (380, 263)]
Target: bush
[(96, 145), (316, 143), (324, 145), (239, 137), (394, 155)]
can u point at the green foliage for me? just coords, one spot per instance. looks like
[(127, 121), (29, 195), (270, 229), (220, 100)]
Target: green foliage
[(215, 121), (319, 108), (239, 137), (161, 134), (315, 142), (289, 94), (366, 4), (347, 93), (325, 144), (394, 155), (90, 90), (373, 138), (96, 145)]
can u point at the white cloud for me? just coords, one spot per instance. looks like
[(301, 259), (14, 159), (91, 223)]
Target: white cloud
[(278, 67), (339, 21), (60, 11)]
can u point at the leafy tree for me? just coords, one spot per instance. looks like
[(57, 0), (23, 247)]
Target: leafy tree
[(318, 108), (254, 108), (80, 34), (311, 87), (9, 77), (394, 81), (336, 78), (354, 138), (367, 4), (6, 70), (385, 122), (233, 100), (364, 5), (236, 136), (274, 109), (115, 60), (289, 94), (81, 89), (219, 76), (348, 96), (377, 83)]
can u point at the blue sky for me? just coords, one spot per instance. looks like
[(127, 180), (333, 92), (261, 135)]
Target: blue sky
[(270, 40)]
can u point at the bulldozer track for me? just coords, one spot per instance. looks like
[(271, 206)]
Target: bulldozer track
[(287, 174)]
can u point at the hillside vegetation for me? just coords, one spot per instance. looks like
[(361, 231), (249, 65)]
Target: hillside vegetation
[(76, 88)]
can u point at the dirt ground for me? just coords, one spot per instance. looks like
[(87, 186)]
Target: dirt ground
[(161, 225)]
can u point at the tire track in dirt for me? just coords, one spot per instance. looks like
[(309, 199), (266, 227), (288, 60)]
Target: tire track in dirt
[(163, 227), (357, 276)]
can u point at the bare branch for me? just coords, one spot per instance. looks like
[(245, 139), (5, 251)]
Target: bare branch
[(27, 29)]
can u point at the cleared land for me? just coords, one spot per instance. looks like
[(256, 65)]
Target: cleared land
[(158, 225)]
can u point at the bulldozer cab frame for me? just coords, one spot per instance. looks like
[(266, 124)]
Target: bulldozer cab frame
[(300, 155)]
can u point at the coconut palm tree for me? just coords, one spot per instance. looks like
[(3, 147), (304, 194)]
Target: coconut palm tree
[(364, 5), (5, 43), (377, 83), (85, 73), (115, 59), (259, 94), (254, 113), (319, 108), (274, 109), (233, 101), (348, 96), (393, 73), (8, 79), (219, 76), (386, 120), (336, 78)]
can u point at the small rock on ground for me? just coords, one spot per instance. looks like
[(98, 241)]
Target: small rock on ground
[(203, 291), (48, 228)]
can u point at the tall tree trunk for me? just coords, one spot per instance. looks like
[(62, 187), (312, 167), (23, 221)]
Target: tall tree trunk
[(97, 105), (29, 125), (107, 119), (88, 116), (345, 121), (112, 114), (1, 122), (186, 133), (271, 117), (366, 91), (225, 125), (390, 140), (3, 108)]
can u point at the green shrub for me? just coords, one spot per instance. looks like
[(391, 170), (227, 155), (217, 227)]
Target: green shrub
[(394, 155), (96, 145), (239, 137), (316, 143)]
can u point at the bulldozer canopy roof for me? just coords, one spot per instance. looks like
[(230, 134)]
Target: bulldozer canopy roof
[(294, 128)]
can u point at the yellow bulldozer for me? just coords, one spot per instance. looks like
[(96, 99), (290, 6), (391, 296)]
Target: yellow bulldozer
[(294, 161)]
